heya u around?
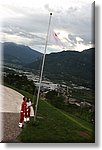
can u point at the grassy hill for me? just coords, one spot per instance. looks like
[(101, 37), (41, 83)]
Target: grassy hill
[(56, 126)]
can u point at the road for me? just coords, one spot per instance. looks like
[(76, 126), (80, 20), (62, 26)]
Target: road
[(10, 105)]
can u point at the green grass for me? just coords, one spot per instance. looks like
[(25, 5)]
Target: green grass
[(82, 94), (55, 126)]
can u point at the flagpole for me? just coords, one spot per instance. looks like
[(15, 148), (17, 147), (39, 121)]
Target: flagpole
[(42, 68)]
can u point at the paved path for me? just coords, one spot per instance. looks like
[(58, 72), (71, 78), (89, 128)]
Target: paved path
[(11, 100), (10, 105), (10, 127)]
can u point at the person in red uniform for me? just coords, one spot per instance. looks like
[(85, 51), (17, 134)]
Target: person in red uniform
[(23, 113)]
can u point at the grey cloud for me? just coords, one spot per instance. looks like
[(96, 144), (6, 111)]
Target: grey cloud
[(53, 10), (34, 25), (47, 7), (76, 25), (29, 35), (34, 37), (7, 30), (72, 10), (72, 42), (72, 38)]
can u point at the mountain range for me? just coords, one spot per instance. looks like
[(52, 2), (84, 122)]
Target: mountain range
[(69, 66), (66, 66), (19, 54)]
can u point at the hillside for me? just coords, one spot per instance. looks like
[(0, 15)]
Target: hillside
[(69, 66), (52, 126), (55, 126), (19, 54)]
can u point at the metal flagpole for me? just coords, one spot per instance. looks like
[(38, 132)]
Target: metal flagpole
[(42, 68)]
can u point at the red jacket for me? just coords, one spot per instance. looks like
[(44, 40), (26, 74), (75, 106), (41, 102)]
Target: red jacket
[(23, 108)]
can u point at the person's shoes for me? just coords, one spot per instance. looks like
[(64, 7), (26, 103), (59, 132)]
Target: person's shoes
[(20, 125), (25, 119), (28, 119)]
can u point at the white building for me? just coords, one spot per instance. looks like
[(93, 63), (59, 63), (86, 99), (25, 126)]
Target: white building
[(47, 85)]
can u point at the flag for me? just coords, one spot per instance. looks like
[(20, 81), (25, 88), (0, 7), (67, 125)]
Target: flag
[(54, 39)]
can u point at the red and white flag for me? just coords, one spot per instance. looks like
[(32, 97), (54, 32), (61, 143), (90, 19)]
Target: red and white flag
[(54, 38)]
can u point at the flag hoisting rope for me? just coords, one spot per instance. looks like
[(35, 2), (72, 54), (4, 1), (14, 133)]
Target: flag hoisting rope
[(42, 68)]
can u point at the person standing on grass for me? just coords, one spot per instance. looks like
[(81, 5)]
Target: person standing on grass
[(23, 113), (29, 104)]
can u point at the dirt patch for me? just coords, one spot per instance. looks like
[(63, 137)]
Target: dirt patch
[(84, 134)]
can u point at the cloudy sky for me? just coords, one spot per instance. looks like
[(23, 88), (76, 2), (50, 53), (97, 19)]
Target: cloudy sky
[(26, 22)]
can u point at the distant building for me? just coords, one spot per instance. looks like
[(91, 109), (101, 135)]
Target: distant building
[(85, 104), (72, 100), (81, 88), (46, 85)]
